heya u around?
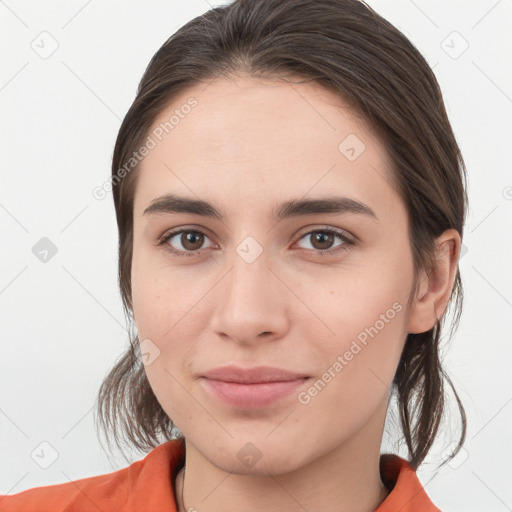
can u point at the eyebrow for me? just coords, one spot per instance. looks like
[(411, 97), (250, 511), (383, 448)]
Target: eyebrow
[(171, 203)]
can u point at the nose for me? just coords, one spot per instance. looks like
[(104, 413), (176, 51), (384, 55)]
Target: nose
[(252, 303)]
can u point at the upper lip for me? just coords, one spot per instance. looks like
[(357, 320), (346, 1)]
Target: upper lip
[(252, 375)]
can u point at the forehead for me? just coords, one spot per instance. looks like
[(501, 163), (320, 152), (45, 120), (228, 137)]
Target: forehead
[(258, 138)]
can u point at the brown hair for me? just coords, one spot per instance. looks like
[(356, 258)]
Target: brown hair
[(350, 49)]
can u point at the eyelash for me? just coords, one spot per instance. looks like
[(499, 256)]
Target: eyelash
[(347, 243)]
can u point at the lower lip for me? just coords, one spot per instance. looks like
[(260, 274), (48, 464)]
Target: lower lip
[(251, 396)]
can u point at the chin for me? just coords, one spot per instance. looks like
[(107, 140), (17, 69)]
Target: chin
[(256, 457)]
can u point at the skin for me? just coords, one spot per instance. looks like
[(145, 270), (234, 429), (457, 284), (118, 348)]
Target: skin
[(248, 145)]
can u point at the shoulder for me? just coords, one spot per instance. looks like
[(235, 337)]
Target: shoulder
[(132, 488)]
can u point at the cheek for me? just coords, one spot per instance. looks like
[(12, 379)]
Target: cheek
[(154, 300), (365, 297), (161, 319), (356, 367), (370, 320), (168, 314)]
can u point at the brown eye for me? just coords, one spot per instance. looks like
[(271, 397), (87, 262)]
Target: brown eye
[(191, 240), (187, 243), (322, 241)]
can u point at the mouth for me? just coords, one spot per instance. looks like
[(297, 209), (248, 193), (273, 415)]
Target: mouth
[(252, 395), (251, 388), (254, 375)]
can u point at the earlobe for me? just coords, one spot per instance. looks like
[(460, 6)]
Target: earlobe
[(435, 288)]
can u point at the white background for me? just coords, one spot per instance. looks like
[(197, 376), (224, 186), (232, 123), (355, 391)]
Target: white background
[(62, 322)]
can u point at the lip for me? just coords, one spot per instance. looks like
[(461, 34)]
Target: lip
[(251, 396), (251, 388), (254, 375)]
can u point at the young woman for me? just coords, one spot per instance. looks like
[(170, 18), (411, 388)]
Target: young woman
[(290, 199)]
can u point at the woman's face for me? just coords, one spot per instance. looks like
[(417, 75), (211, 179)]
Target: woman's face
[(252, 286)]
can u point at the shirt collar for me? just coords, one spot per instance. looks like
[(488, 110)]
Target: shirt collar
[(406, 492)]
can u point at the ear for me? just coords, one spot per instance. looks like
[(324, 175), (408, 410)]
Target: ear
[(435, 289)]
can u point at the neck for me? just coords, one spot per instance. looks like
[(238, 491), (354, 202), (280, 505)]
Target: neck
[(346, 479)]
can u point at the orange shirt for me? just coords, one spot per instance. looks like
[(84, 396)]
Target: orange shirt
[(147, 485)]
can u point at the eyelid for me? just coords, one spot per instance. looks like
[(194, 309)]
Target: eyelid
[(339, 231), (171, 232)]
